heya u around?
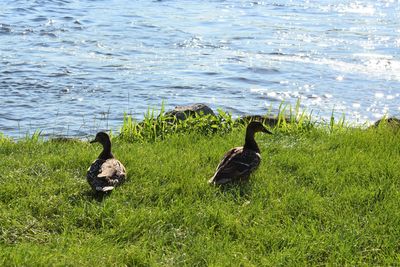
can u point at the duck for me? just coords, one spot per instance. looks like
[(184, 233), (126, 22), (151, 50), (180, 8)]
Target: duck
[(106, 172), (238, 163)]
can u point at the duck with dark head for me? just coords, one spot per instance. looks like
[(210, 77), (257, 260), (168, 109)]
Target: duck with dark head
[(239, 162), (106, 172)]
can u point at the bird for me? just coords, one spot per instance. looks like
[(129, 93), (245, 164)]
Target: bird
[(239, 162), (106, 172)]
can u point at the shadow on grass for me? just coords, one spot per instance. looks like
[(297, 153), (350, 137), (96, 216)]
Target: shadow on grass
[(237, 191), (89, 195), (100, 196)]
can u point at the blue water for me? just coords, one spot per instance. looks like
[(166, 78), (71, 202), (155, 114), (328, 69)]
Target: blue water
[(73, 67)]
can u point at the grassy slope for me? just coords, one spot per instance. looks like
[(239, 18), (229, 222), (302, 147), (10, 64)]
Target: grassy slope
[(316, 198)]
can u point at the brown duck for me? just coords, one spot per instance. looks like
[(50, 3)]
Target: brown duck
[(106, 172), (239, 162)]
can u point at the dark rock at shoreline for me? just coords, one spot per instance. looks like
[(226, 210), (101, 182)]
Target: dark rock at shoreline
[(182, 112), (62, 139), (392, 122), (268, 120)]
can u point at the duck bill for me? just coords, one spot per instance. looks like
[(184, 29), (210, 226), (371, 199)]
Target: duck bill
[(267, 131), (93, 141)]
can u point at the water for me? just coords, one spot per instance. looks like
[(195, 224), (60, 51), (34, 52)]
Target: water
[(73, 67)]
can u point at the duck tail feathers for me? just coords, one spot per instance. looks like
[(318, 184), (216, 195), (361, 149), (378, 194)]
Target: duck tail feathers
[(105, 188), (222, 181)]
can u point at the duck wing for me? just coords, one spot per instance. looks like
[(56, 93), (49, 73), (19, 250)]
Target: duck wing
[(111, 168), (229, 156), (237, 164), (104, 175)]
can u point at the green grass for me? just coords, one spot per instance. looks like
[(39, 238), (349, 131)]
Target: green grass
[(322, 196)]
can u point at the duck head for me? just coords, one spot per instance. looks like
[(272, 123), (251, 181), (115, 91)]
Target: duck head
[(256, 126), (252, 128), (104, 139)]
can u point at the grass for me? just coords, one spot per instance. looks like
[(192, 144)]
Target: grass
[(323, 195)]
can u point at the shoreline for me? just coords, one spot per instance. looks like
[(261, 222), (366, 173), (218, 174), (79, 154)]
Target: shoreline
[(283, 112)]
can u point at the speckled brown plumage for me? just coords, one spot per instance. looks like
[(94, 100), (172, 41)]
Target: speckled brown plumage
[(239, 162), (106, 172)]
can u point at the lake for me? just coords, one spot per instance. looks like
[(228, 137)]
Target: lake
[(73, 67)]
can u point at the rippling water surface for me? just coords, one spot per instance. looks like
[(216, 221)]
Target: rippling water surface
[(72, 67)]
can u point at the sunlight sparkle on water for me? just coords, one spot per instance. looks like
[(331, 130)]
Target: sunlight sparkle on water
[(341, 55)]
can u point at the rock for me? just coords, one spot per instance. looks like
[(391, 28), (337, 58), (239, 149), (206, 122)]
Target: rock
[(268, 120), (182, 112), (391, 122)]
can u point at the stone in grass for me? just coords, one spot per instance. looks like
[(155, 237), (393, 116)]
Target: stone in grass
[(182, 112), (391, 122), (268, 120)]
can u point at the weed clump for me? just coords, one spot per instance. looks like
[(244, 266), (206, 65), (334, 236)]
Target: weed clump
[(158, 127)]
